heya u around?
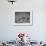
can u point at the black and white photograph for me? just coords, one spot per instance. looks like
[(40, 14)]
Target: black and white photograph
[(23, 18)]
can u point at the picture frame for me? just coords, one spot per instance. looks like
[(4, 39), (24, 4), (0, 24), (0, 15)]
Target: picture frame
[(23, 18)]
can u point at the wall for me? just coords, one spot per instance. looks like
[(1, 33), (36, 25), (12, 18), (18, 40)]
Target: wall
[(9, 31)]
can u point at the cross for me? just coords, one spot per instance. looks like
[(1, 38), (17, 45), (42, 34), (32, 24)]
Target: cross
[(12, 1)]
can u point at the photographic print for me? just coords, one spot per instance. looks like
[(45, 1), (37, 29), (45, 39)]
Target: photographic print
[(23, 18)]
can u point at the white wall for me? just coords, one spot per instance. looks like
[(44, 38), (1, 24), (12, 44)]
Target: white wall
[(9, 31)]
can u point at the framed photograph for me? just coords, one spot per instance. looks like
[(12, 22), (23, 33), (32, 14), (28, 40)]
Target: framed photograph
[(23, 18)]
